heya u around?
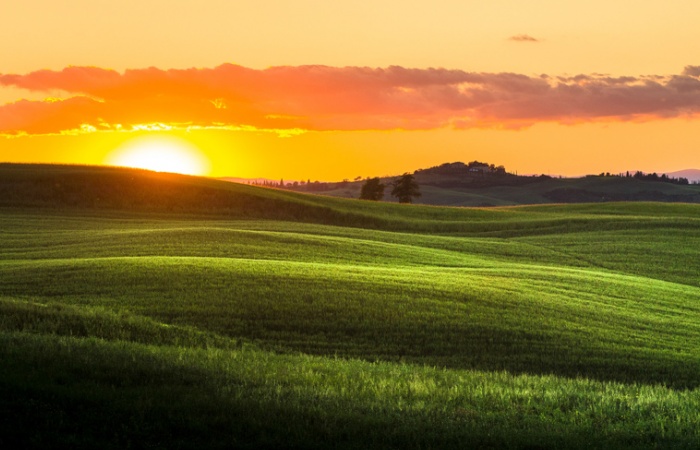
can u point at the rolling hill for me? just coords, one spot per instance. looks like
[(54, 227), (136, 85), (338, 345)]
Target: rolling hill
[(156, 310), (453, 184), (691, 174)]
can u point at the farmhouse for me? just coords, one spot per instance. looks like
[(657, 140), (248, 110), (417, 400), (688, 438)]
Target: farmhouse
[(479, 169)]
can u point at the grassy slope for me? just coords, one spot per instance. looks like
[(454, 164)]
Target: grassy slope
[(176, 300)]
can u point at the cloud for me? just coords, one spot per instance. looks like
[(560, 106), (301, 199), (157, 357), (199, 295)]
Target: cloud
[(692, 71), (290, 99), (523, 38)]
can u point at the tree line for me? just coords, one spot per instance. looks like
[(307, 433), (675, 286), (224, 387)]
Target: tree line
[(639, 175), (311, 186)]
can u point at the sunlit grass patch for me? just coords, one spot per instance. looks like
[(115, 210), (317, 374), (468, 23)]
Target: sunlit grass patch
[(514, 316)]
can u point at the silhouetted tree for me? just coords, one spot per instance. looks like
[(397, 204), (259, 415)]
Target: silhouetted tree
[(405, 188), (373, 189)]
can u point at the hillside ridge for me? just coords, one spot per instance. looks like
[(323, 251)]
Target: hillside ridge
[(481, 184)]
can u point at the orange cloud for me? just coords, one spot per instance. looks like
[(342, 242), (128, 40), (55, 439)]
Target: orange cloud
[(336, 98)]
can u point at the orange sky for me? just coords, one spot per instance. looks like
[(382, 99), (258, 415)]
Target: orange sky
[(331, 90)]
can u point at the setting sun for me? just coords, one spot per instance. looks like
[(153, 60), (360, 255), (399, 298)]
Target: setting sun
[(162, 154)]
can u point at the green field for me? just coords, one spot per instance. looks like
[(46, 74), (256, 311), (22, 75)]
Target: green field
[(142, 310)]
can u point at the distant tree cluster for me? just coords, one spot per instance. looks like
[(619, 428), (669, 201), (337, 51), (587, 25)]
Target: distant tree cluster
[(310, 186), (639, 175), (264, 183), (663, 178), (471, 169)]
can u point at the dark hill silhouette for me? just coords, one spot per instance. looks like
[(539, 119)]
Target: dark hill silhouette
[(475, 174), (67, 187), (481, 184), (453, 184)]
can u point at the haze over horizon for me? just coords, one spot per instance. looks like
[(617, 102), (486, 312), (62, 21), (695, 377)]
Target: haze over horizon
[(312, 90)]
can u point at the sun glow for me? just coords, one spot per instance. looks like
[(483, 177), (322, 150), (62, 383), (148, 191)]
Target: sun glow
[(162, 154)]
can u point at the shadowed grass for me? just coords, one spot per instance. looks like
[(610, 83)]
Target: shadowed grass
[(84, 392)]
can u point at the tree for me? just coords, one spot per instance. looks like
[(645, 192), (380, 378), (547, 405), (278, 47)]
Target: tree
[(373, 189), (405, 188)]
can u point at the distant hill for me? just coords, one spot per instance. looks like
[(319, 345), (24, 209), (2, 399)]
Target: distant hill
[(454, 184), (67, 187), (113, 191), (481, 184), (692, 175)]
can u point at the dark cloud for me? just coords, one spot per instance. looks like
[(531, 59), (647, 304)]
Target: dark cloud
[(692, 71), (523, 38), (337, 98)]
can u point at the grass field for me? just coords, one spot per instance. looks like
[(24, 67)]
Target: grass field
[(195, 313)]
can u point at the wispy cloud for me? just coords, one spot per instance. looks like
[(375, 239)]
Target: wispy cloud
[(523, 38), (292, 99)]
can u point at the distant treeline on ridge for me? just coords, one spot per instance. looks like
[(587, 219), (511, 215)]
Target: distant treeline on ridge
[(475, 174)]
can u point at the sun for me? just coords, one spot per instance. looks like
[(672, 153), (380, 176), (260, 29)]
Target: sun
[(161, 154)]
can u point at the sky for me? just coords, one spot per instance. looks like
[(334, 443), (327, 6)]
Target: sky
[(323, 90)]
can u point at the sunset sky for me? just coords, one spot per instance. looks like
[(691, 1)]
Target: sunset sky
[(337, 89)]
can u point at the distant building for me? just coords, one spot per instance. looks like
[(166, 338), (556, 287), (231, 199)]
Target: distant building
[(480, 168)]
